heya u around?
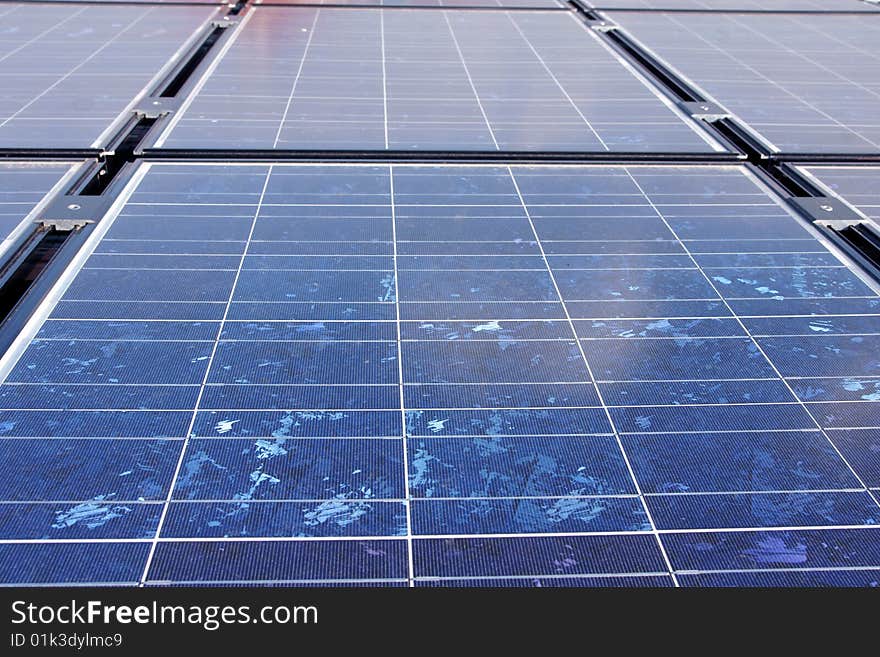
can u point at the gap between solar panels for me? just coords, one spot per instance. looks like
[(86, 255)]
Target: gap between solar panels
[(853, 233)]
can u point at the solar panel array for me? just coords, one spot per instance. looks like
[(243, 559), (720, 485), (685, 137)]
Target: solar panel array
[(478, 370)]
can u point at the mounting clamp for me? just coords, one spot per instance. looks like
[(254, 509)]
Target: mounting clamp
[(826, 210), (69, 212), (704, 111), (604, 26), (154, 107), (226, 21)]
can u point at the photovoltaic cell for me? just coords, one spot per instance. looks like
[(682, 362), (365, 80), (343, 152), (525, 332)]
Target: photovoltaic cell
[(350, 79), (860, 186), (577, 377), (22, 186), (68, 71), (806, 83)]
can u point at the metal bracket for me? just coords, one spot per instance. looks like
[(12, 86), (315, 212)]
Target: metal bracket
[(826, 210), (704, 111), (604, 26), (224, 22), (68, 212), (154, 107)]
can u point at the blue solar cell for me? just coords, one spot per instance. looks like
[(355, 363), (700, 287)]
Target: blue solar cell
[(305, 362), (789, 282), (626, 309), (94, 424), (696, 327), (674, 463), (747, 417), (823, 548), (421, 286), (825, 325), (316, 519), (642, 581), (846, 389), (568, 555), (493, 395), (809, 579), (500, 331), (309, 331), (532, 361), (98, 396), (297, 424), (72, 563), (659, 359), (128, 330), (147, 285), (93, 519), (282, 468), (856, 415), (544, 515), (315, 397), (763, 510), (77, 361), (256, 561), (634, 285), (523, 466), (695, 392), (861, 448), (135, 310), (503, 422), (821, 355), (310, 311), (486, 310), (818, 306), (52, 469)]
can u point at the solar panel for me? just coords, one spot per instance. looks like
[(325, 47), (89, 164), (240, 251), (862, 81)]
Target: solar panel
[(452, 374), (734, 5), (22, 186), (806, 84), (354, 79), (857, 185), (68, 71), (528, 4)]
